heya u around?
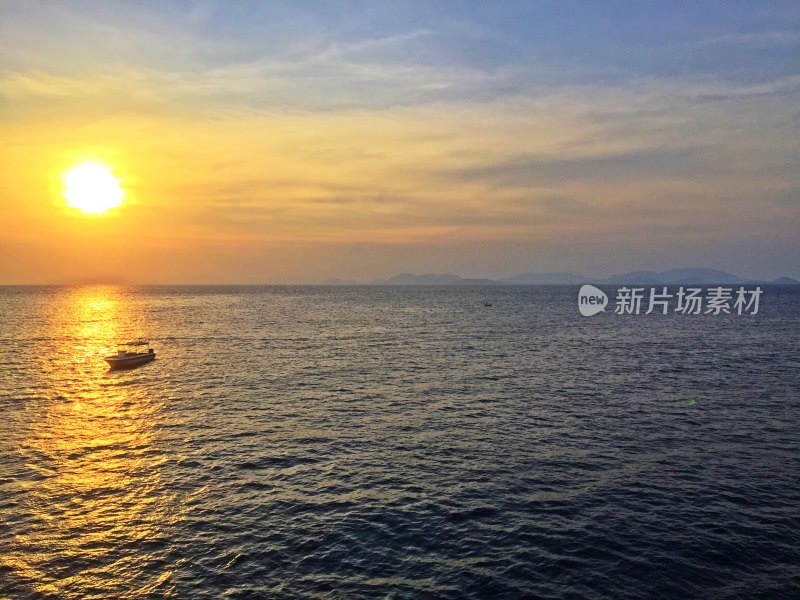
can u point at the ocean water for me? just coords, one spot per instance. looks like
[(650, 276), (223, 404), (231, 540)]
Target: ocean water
[(309, 442)]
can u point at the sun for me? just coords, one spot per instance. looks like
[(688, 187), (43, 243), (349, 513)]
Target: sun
[(92, 188)]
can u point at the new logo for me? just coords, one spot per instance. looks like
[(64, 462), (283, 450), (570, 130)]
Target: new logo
[(591, 300)]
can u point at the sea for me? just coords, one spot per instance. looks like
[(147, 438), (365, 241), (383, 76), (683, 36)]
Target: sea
[(395, 442)]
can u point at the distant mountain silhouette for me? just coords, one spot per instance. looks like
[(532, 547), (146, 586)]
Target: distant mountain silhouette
[(546, 279), (426, 279), (677, 276), (97, 281), (670, 277), (434, 279), (335, 281)]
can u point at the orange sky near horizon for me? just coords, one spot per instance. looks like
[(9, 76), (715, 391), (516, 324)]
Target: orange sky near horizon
[(592, 178)]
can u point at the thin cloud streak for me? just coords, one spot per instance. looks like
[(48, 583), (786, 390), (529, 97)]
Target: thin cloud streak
[(441, 130)]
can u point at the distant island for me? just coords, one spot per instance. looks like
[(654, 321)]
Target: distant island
[(670, 277)]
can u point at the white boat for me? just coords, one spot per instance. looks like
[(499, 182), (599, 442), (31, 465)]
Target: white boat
[(125, 359)]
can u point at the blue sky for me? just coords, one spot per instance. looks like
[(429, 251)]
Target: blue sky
[(365, 138)]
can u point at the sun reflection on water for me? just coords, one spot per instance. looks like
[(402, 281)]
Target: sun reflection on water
[(92, 319), (94, 491)]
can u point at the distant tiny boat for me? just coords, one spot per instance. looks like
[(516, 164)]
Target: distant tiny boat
[(125, 359), (487, 303)]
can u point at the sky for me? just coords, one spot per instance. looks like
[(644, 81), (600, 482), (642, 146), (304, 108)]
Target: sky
[(291, 142)]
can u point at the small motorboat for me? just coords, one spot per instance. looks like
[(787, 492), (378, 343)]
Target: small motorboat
[(125, 359)]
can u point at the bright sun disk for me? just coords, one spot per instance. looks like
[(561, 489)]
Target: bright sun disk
[(92, 188)]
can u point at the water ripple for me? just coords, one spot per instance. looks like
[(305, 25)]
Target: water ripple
[(347, 442)]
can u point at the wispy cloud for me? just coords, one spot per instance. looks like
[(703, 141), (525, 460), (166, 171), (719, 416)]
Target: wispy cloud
[(776, 37), (634, 165), (279, 128)]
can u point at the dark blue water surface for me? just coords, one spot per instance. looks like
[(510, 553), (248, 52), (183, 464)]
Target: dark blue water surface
[(357, 442)]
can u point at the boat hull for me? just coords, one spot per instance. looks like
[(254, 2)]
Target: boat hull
[(128, 362)]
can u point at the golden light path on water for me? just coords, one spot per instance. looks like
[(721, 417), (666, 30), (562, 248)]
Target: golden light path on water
[(97, 494), (319, 442)]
